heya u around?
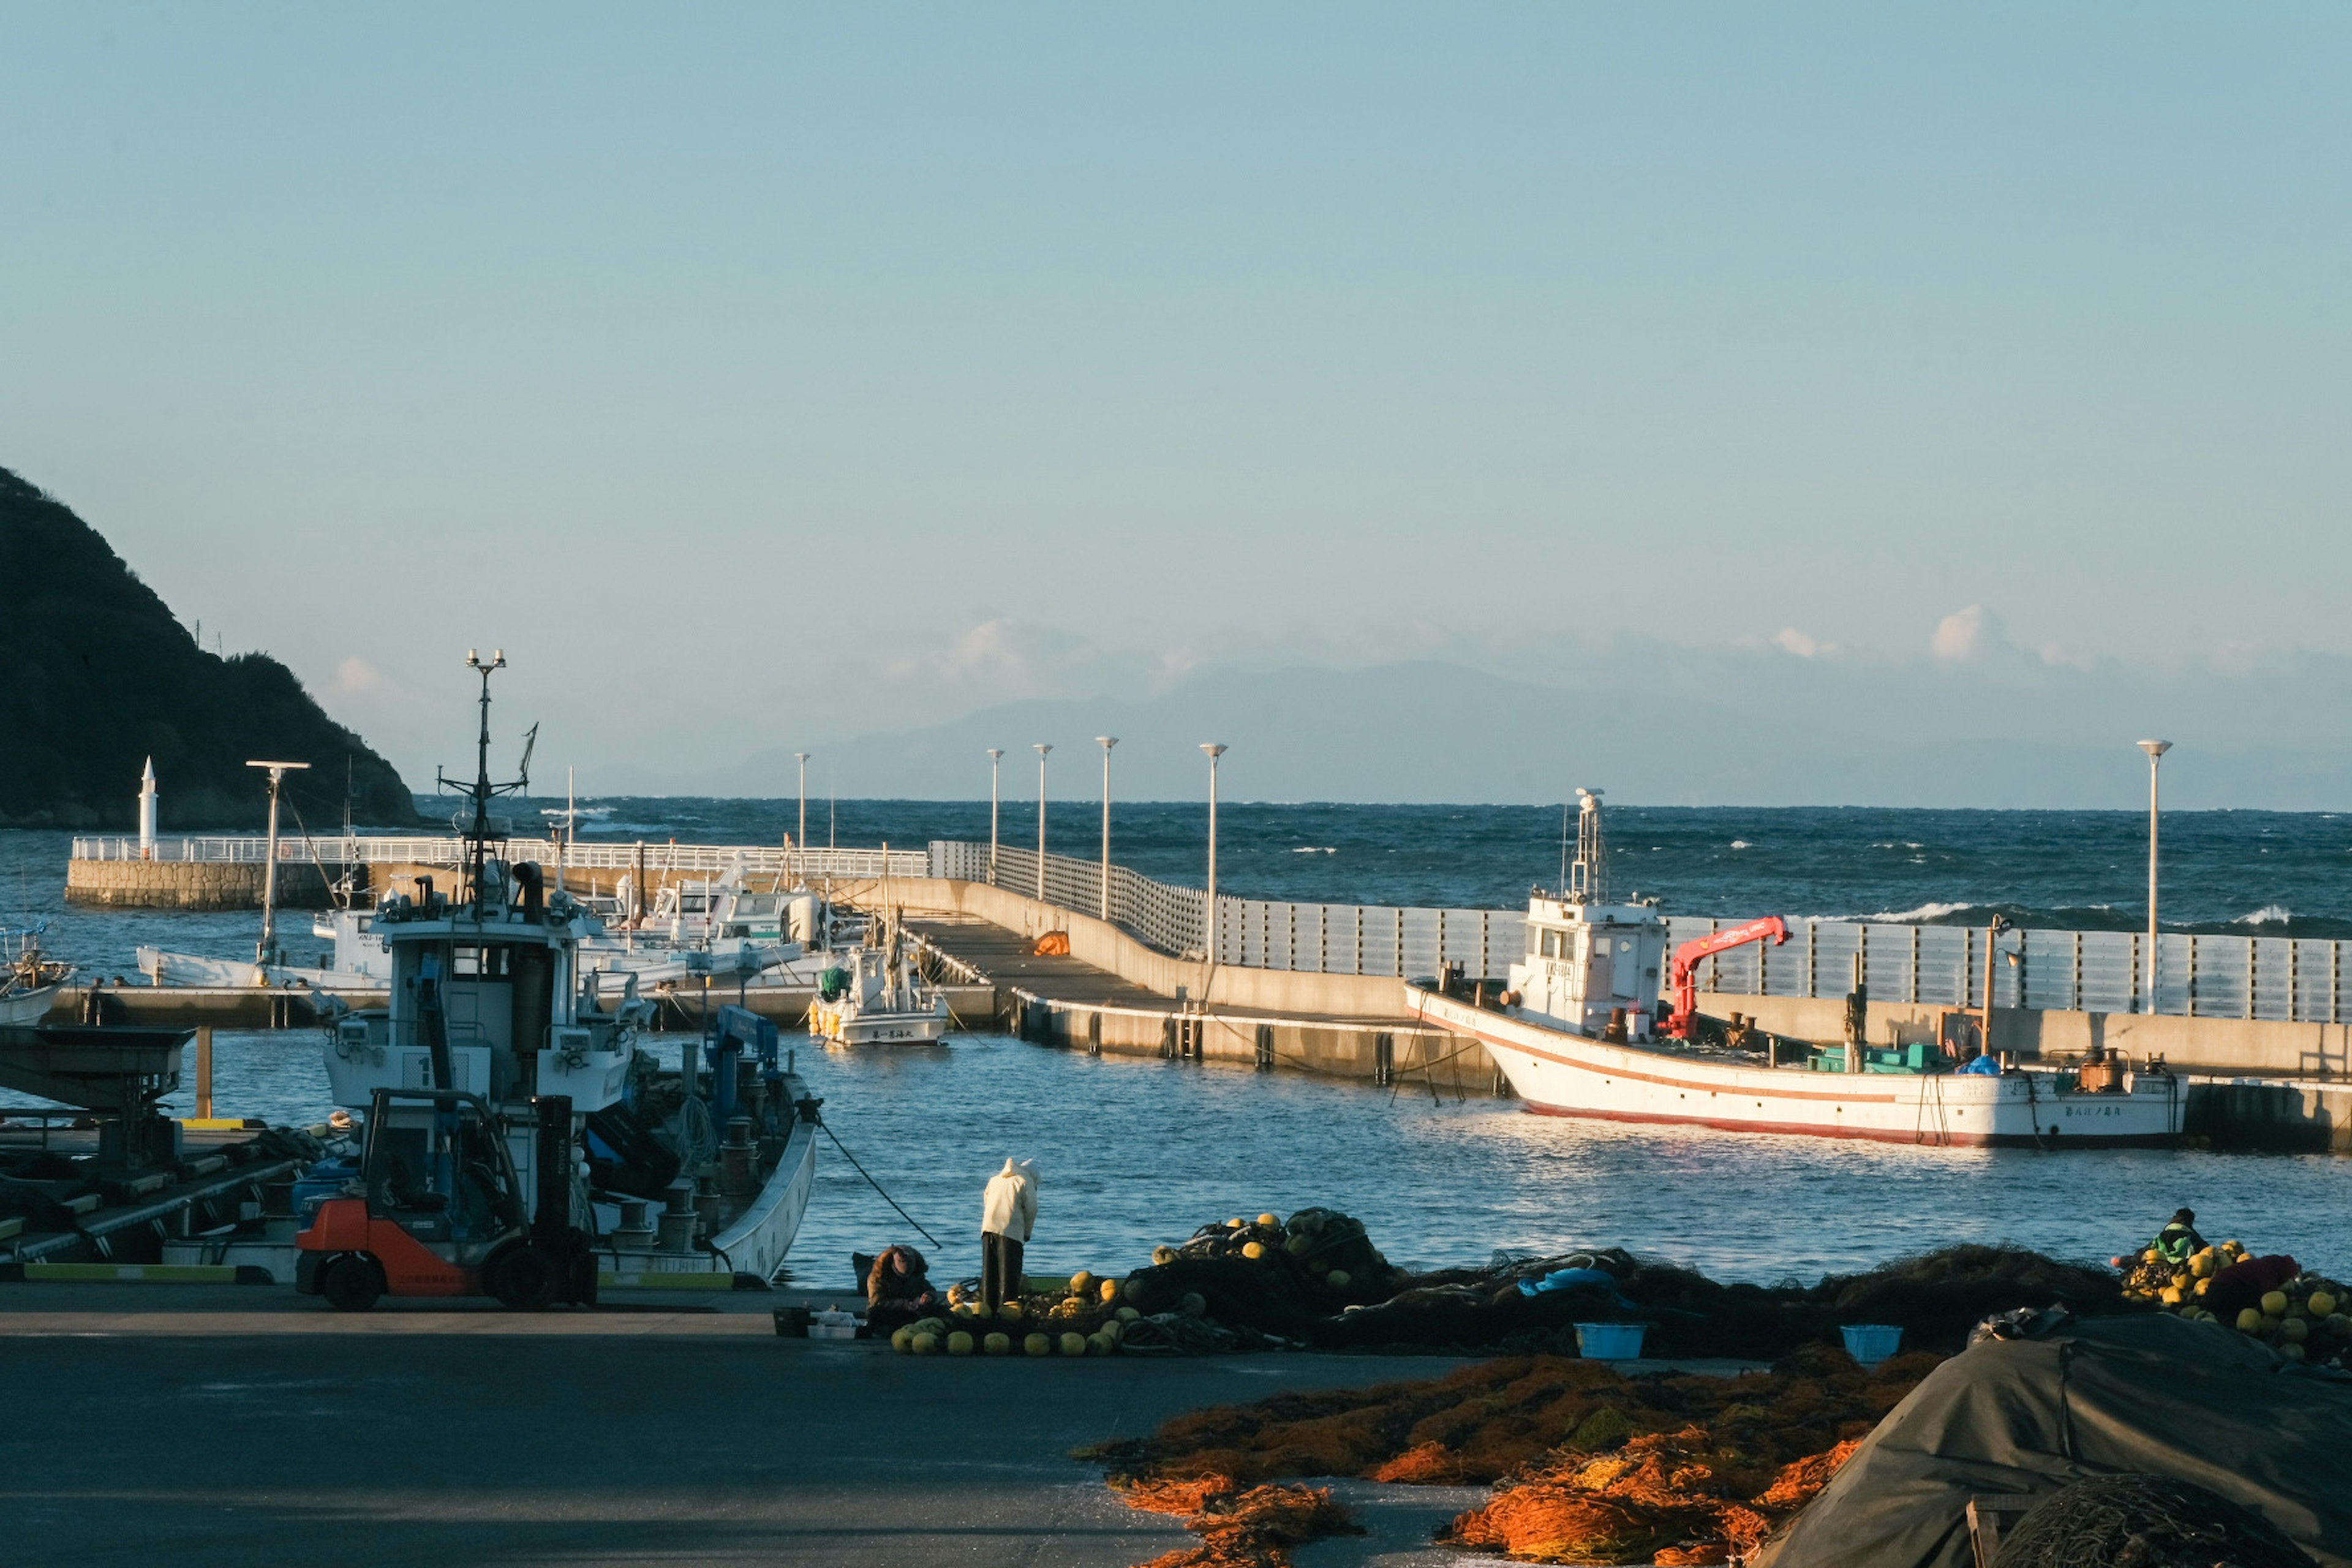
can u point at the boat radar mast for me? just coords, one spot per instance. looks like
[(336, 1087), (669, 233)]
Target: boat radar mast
[(1588, 880), (479, 833)]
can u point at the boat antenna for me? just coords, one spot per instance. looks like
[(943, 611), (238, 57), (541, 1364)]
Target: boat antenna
[(481, 831), (1563, 849)]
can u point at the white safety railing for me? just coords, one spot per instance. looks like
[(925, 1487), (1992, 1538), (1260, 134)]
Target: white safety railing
[(2286, 979), (760, 859)]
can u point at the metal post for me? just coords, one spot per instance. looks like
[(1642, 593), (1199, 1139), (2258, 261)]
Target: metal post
[(800, 841), (1041, 748), (203, 1072), (995, 761), (1106, 742), (2155, 750), (1216, 749), (266, 949)]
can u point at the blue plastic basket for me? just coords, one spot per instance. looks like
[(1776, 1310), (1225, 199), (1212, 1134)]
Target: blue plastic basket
[(1870, 1343), (1610, 1342)]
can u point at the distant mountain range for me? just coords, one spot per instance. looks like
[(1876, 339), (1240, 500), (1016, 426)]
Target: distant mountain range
[(1440, 732), (97, 676)]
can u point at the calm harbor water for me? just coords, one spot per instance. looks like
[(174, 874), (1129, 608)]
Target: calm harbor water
[(1136, 1152)]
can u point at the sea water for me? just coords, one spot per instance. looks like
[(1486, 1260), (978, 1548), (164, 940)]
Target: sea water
[(1135, 1152)]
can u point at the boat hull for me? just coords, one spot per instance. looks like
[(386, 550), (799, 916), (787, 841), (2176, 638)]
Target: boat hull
[(1562, 1074), (19, 1008), (849, 1027)]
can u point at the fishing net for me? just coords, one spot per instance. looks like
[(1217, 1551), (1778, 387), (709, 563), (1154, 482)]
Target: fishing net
[(2146, 1522), (1239, 1528)]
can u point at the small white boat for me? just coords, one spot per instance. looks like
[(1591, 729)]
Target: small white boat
[(1576, 1034), (878, 1000), (29, 983)]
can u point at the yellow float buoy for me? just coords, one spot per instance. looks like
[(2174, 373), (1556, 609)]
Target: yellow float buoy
[(1037, 1344)]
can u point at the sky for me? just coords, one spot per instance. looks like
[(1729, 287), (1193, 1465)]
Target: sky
[(767, 378)]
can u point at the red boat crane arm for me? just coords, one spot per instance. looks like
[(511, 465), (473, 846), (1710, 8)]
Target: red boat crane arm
[(1684, 972)]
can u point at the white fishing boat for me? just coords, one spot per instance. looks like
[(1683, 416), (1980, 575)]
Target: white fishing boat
[(1577, 1032), (495, 1031), (29, 983), (878, 998)]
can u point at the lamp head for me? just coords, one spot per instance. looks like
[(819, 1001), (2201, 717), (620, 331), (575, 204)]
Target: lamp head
[(994, 752), (1107, 742), (2155, 748), (1041, 748), (1214, 748)]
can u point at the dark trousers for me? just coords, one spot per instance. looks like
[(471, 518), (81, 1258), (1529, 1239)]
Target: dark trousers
[(1000, 1269)]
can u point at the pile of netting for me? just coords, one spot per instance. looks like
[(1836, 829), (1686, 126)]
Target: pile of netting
[(1316, 1280), (1589, 1465), (1240, 1527), (2146, 1522)]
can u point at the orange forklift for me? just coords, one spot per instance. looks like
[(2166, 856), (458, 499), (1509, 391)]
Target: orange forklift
[(441, 1211)]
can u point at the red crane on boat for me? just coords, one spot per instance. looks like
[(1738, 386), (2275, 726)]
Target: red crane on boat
[(1682, 975)]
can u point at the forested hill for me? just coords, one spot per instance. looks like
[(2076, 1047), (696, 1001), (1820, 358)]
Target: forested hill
[(97, 675)]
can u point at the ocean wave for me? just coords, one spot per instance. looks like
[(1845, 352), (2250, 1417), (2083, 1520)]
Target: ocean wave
[(1741, 844), (2268, 915), (1924, 912), (1312, 850)]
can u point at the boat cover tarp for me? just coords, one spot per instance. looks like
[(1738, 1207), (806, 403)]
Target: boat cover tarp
[(2148, 1393)]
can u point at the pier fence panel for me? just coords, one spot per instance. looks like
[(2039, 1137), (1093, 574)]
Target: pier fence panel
[(764, 860)]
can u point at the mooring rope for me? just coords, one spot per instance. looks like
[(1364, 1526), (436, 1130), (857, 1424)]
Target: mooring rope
[(870, 1182)]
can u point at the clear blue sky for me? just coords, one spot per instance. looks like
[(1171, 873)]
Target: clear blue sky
[(829, 372)]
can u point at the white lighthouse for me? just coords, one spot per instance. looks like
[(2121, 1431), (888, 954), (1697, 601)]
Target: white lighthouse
[(147, 812)]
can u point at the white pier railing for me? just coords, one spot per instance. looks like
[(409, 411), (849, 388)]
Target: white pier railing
[(2302, 980), (763, 860)]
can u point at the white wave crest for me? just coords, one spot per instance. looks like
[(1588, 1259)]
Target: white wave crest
[(2268, 915), (1924, 912), (1741, 844)]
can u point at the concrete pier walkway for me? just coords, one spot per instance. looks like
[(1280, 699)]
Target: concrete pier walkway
[(148, 1429)]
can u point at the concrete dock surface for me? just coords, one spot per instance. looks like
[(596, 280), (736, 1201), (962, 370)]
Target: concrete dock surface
[(203, 1425)]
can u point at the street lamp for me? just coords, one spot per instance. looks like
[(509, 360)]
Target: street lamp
[(2155, 750), (1106, 742), (1215, 749), (1041, 748), (995, 761)]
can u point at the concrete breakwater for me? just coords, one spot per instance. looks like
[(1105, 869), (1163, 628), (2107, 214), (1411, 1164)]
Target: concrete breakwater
[(190, 885)]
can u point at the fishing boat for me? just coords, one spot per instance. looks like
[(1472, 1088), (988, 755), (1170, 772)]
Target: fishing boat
[(879, 998), (1578, 1032), (30, 981), (696, 1161)]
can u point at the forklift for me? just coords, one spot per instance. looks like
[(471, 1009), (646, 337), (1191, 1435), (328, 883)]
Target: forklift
[(441, 1211)]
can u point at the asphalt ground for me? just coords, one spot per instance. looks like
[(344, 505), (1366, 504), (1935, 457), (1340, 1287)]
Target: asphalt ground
[(200, 1425)]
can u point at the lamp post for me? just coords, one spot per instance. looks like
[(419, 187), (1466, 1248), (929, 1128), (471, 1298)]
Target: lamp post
[(1215, 749), (2155, 750), (800, 844), (1041, 748), (1106, 742), (995, 761)]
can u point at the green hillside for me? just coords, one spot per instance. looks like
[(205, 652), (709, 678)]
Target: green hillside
[(97, 675)]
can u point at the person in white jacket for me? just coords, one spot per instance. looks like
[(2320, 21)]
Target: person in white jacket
[(1008, 1213)]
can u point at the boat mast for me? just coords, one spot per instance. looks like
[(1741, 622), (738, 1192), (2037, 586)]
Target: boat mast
[(481, 831), (266, 949)]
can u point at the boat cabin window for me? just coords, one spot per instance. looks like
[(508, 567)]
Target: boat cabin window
[(482, 963), (1551, 944)]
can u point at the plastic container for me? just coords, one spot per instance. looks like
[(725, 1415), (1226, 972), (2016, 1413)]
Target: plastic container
[(1610, 1342), (1870, 1343), (833, 1324)]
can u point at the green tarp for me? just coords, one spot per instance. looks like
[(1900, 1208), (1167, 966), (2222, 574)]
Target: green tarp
[(2102, 1397)]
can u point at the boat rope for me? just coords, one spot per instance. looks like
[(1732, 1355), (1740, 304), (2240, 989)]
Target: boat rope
[(870, 1182)]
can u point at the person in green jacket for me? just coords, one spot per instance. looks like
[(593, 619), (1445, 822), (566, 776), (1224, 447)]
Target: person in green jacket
[(2175, 1242)]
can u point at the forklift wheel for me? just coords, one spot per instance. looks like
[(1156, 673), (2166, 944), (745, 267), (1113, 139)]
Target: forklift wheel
[(350, 1283), (524, 1278)]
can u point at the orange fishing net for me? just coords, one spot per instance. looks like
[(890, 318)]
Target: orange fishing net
[(1594, 1466), (1253, 1529)]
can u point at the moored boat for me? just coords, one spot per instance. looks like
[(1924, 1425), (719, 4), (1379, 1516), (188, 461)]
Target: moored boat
[(1577, 1032)]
